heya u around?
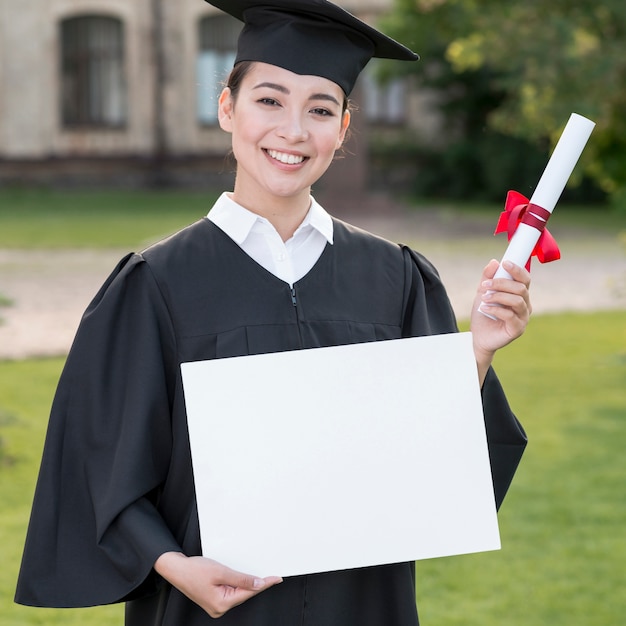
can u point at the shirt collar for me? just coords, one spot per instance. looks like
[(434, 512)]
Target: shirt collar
[(319, 219), (237, 222)]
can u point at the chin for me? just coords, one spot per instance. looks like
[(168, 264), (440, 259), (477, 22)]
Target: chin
[(289, 192)]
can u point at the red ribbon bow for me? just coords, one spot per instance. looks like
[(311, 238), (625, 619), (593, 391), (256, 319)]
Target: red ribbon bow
[(518, 210)]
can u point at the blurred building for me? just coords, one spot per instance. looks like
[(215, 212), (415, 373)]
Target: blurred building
[(124, 92)]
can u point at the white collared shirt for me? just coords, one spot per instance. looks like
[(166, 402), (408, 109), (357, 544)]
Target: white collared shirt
[(288, 260)]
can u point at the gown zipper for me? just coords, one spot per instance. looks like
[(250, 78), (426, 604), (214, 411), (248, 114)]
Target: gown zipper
[(294, 302)]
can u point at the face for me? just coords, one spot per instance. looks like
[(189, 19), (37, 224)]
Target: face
[(285, 130)]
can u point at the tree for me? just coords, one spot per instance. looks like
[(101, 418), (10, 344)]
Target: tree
[(548, 57)]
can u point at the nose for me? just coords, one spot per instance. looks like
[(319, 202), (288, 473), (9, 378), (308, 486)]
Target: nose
[(292, 128)]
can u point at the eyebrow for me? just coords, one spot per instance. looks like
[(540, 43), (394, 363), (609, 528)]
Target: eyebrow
[(282, 89)]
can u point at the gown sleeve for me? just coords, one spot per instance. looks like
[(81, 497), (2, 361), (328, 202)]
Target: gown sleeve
[(95, 530), (428, 311)]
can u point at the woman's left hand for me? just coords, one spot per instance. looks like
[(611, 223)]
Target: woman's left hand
[(506, 300)]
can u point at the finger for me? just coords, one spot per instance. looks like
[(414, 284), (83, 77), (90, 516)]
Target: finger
[(490, 269), (513, 322), (232, 578), (518, 273), (240, 588), (512, 295), (489, 283), (506, 285), (509, 295), (229, 598), (510, 299)]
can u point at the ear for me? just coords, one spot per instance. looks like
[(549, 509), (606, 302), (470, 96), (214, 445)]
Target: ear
[(225, 110), (345, 124)]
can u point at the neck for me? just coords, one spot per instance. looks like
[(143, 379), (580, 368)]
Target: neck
[(285, 214)]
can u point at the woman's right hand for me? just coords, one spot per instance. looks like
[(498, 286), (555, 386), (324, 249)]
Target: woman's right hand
[(211, 585)]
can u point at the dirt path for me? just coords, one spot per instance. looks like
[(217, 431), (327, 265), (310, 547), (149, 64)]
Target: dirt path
[(49, 290)]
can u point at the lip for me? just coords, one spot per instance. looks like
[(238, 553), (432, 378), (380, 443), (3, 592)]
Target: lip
[(301, 159)]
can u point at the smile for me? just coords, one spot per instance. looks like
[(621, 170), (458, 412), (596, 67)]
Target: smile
[(287, 159)]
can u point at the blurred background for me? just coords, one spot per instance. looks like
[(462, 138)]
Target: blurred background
[(109, 142), (123, 92)]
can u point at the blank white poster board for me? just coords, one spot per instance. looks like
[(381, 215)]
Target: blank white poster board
[(342, 457)]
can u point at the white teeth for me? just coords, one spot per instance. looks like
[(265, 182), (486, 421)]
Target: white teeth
[(288, 159)]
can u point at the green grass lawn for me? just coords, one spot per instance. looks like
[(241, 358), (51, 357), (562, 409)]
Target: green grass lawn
[(126, 219), (562, 524), (87, 219), (26, 389)]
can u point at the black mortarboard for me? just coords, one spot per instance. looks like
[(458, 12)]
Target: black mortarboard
[(312, 37)]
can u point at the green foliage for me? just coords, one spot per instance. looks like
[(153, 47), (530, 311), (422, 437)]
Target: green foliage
[(482, 166), (562, 522), (547, 59)]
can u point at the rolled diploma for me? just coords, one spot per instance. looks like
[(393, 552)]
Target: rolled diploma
[(550, 187)]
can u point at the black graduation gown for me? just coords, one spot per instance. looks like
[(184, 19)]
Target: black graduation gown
[(115, 488)]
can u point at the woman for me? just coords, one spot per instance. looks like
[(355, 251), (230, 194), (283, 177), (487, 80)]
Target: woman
[(114, 517)]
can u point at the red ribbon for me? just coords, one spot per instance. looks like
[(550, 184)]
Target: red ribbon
[(518, 210)]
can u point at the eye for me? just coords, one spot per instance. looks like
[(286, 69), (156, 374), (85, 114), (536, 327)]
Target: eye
[(322, 112), (268, 101)]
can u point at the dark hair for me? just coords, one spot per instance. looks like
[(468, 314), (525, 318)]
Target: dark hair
[(236, 76), (241, 70)]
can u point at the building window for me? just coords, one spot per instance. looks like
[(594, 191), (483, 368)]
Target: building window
[(383, 103), (216, 55), (92, 71)]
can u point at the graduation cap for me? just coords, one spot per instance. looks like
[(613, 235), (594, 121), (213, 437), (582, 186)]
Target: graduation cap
[(309, 37)]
